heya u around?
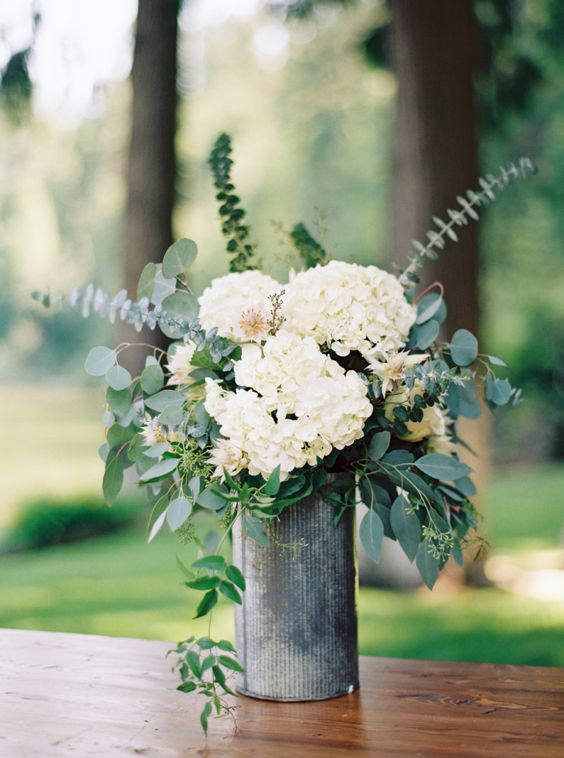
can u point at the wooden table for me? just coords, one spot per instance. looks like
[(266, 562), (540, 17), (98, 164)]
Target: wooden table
[(68, 694)]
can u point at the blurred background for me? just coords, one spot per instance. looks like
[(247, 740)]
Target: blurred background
[(363, 118)]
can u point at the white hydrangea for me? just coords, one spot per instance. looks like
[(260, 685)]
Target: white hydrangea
[(180, 367), (349, 307), (224, 302), (318, 406)]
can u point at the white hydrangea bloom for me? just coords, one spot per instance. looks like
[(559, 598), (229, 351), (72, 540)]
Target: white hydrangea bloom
[(224, 302), (318, 406), (180, 366), (349, 307)]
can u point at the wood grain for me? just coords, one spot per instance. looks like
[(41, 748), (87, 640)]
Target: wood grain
[(66, 694)]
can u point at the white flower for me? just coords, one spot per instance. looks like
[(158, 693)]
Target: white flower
[(153, 433), (226, 455), (392, 370), (433, 427), (349, 307), (224, 302), (180, 366), (299, 405)]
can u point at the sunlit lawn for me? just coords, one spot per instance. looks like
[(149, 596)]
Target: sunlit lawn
[(118, 585)]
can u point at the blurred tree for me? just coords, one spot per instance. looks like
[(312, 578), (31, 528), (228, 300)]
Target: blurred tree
[(152, 165)]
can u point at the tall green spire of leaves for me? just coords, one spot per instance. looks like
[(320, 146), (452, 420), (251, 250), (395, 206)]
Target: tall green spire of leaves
[(233, 227), (309, 249)]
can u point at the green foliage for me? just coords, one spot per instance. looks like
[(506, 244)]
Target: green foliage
[(309, 250), (48, 522), (236, 232)]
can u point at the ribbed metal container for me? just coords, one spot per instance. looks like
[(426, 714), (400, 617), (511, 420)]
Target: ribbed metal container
[(296, 631)]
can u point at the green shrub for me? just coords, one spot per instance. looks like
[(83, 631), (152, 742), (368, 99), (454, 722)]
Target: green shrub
[(45, 522)]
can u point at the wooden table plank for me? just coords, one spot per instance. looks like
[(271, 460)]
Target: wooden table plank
[(66, 694)]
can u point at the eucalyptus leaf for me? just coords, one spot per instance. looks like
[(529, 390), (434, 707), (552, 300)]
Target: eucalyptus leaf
[(406, 526), (113, 479), (371, 534), (379, 443), (429, 305), (179, 257), (161, 469), (118, 378), (427, 565), (427, 333), (178, 511), (157, 526), (152, 379), (181, 304), (146, 282), (99, 360), (255, 530), (162, 399), (463, 347), (442, 467), (211, 499)]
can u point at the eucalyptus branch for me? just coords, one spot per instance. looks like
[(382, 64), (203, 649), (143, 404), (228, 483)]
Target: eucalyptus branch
[(460, 216)]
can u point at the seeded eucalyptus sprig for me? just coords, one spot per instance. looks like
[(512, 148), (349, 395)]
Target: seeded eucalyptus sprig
[(460, 216), (234, 229)]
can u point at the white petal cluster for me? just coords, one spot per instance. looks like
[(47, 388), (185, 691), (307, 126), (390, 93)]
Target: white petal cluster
[(349, 307), (224, 302), (297, 405), (180, 366)]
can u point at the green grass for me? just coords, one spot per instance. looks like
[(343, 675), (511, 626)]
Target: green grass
[(119, 585)]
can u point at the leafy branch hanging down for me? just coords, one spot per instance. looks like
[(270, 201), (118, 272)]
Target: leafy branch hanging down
[(309, 249), (460, 216), (234, 230)]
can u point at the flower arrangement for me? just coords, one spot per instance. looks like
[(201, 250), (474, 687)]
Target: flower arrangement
[(269, 388)]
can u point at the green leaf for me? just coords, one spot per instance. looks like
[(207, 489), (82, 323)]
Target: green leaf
[(498, 392), (146, 283), (211, 562), (113, 479), (211, 499), (172, 415), (203, 583), (119, 401), (193, 661), (442, 467), (206, 604), (233, 573), (181, 304), (255, 530), (204, 715), (157, 525), (428, 306), (463, 347), (427, 565), (179, 257), (406, 526), (159, 470), (152, 379), (273, 484), (118, 378), (208, 662), (178, 511), (230, 663), (427, 334), (379, 443), (228, 589), (371, 534), (496, 361), (187, 687), (99, 360), (219, 677), (163, 399), (118, 435), (226, 645), (206, 643)]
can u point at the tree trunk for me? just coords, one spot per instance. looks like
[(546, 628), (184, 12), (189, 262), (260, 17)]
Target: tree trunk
[(151, 169), (433, 49)]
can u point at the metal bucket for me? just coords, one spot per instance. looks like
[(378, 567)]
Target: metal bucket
[(296, 631)]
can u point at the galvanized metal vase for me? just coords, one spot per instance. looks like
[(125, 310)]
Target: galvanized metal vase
[(296, 631)]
